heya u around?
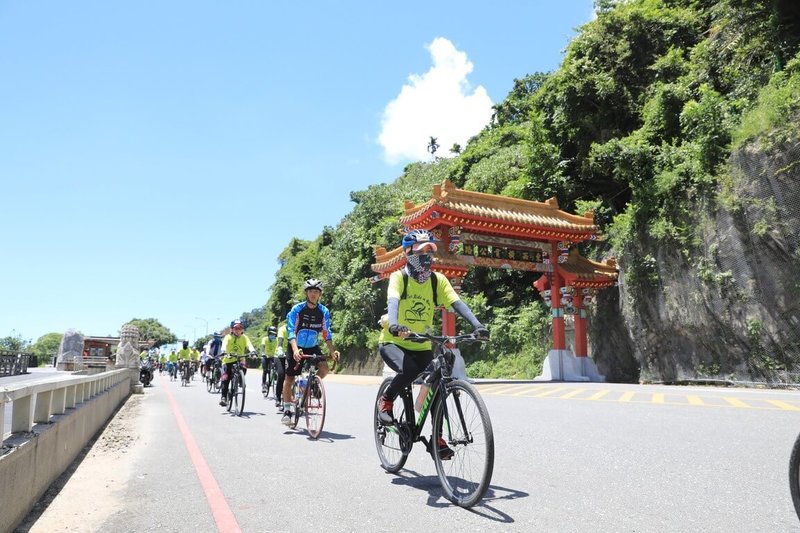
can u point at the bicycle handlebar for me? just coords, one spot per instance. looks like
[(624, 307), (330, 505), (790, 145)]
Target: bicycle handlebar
[(318, 359), (441, 339)]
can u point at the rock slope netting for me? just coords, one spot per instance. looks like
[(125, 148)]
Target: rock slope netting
[(730, 308)]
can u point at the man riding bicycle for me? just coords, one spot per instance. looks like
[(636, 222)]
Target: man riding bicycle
[(306, 323), (412, 297), (184, 356), (269, 345), (235, 345)]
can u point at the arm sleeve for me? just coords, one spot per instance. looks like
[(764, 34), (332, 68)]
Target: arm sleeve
[(291, 318), (394, 306), (462, 309), (327, 334)]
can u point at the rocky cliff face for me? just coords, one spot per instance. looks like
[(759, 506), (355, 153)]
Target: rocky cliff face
[(729, 307)]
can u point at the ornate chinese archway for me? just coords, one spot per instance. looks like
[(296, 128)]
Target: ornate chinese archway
[(478, 229)]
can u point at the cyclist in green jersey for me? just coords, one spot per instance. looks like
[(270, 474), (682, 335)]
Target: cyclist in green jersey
[(184, 355), (236, 345), (411, 295), (269, 345)]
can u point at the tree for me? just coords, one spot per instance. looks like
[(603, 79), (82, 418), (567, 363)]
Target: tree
[(455, 149), (46, 346), (151, 330), (433, 145), (14, 343)]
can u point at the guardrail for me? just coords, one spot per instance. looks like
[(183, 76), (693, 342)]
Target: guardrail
[(11, 365), (37, 402)]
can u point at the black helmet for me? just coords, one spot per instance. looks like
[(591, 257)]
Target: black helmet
[(185, 344), (312, 284), (272, 330)]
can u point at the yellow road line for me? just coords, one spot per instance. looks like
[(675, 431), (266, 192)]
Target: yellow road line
[(784, 405), (548, 392), (526, 390), (658, 397), (735, 402), (695, 400), (572, 394), (626, 397), (597, 395), (503, 390)]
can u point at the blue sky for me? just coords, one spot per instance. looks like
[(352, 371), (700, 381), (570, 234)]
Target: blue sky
[(156, 157)]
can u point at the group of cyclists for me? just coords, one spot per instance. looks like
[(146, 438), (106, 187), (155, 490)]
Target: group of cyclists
[(412, 296)]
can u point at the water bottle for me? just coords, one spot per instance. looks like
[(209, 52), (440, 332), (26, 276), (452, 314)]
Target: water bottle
[(301, 385)]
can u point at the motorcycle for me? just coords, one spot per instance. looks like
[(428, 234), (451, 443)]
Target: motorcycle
[(146, 374)]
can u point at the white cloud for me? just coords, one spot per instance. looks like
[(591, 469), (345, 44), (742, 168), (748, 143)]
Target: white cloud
[(438, 104)]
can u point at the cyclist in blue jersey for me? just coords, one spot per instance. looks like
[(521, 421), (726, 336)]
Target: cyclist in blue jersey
[(306, 324)]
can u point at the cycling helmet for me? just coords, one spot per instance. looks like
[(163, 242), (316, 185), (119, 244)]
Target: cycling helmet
[(237, 324), (312, 284), (185, 344), (217, 335), (272, 330), (418, 239)]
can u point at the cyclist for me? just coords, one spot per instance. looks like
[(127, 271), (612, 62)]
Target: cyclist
[(184, 355), (306, 323), (235, 346), (172, 365), (280, 365), (269, 344), (412, 297), (213, 348)]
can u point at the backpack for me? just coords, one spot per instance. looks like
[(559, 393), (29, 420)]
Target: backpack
[(434, 285)]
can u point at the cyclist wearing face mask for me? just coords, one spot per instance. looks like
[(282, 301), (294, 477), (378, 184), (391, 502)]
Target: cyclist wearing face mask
[(412, 296), (269, 344)]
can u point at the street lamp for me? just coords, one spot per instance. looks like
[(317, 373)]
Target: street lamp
[(204, 320)]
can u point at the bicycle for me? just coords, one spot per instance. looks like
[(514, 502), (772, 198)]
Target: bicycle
[(213, 378), (271, 382), (459, 416), (309, 395), (237, 389), (185, 373), (794, 475)]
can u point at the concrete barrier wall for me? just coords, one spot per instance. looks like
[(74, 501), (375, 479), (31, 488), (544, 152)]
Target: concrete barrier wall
[(38, 458)]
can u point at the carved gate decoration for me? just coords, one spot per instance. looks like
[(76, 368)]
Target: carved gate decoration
[(478, 229)]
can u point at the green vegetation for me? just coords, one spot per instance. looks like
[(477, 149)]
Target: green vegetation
[(637, 124)]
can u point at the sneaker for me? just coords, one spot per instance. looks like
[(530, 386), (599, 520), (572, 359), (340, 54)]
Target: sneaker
[(445, 451), (223, 403), (286, 419), (385, 411), (278, 403), (280, 408)]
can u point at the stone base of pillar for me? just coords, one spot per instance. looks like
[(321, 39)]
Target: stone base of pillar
[(562, 365)]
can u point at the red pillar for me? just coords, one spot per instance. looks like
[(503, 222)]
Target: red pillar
[(559, 338), (448, 323), (580, 325)]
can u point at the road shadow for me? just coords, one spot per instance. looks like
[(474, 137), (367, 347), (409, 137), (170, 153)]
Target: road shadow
[(436, 498), (325, 436)]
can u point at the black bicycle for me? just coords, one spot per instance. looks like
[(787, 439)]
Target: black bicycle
[(236, 389), (794, 475), (213, 376), (460, 418), (271, 382), (309, 395)]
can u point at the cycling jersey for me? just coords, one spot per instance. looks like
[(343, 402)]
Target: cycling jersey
[(236, 347), (184, 353), (415, 311), (308, 325), (269, 346)]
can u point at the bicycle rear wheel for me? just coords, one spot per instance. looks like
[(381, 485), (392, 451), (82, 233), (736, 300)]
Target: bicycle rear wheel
[(794, 475), (210, 381), (315, 407), (389, 441), (462, 420)]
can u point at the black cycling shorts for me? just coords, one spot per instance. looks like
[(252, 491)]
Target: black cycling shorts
[(293, 368)]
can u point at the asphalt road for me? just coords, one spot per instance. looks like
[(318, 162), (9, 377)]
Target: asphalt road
[(569, 457)]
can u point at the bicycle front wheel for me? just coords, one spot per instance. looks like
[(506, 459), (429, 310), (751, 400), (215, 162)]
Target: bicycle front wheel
[(388, 439), (210, 381), (239, 394), (315, 407), (462, 421), (794, 475)]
